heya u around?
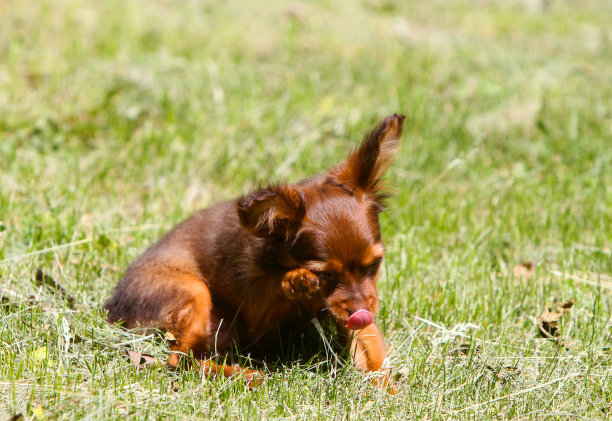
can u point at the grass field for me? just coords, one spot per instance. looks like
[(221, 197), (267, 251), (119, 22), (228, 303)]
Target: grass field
[(119, 119)]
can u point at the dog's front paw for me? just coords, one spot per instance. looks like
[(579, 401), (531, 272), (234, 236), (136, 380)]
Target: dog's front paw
[(300, 284)]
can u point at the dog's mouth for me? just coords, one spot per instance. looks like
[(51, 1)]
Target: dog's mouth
[(352, 314), (359, 320)]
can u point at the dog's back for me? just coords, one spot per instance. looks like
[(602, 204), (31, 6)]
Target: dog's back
[(203, 247)]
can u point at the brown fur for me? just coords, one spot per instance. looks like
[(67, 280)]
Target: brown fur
[(247, 271)]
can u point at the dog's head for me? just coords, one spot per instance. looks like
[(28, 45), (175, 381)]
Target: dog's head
[(329, 224)]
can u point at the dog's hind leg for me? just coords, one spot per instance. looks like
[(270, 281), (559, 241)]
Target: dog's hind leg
[(193, 340), (191, 326), (188, 319), (251, 377)]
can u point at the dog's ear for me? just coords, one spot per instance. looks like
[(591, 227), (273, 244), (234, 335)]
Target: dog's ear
[(275, 211), (362, 171)]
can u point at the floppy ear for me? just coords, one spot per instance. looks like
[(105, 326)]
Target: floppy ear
[(275, 211), (361, 172)]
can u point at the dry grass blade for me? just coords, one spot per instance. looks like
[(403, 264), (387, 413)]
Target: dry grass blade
[(44, 279), (519, 392), (7, 296)]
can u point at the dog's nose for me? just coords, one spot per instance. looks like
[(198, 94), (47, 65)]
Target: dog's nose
[(359, 320)]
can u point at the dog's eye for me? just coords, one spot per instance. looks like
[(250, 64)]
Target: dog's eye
[(328, 277), (373, 267)]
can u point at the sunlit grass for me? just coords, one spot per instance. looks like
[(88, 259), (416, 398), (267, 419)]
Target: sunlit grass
[(119, 119)]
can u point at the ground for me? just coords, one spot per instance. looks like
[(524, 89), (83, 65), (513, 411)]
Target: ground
[(119, 119)]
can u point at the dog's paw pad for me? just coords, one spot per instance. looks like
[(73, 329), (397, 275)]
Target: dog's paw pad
[(300, 284)]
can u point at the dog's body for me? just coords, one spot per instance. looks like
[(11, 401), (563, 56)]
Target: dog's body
[(247, 271)]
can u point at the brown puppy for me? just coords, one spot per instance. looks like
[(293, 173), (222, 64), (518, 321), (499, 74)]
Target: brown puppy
[(248, 271)]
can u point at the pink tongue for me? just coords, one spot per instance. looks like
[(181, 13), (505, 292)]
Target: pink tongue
[(359, 320)]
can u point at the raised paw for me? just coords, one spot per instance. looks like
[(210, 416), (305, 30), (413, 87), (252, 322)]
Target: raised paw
[(300, 284)]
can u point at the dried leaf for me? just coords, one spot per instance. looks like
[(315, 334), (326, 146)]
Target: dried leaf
[(524, 270), (169, 337), (143, 360), (548, 322)]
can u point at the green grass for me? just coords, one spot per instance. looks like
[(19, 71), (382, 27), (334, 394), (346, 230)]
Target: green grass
[(119, 119)]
